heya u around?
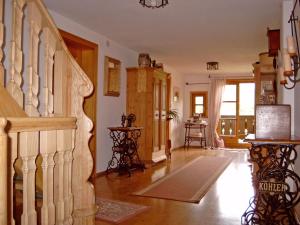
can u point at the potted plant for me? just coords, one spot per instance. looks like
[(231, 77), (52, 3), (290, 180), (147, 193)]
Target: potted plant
[(172, 114)]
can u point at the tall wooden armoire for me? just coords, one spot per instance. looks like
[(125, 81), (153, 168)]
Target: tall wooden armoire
[(147, 99)]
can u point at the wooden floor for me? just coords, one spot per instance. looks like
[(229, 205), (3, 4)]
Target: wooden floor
[(223, 204)]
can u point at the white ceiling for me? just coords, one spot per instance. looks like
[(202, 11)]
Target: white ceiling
[(186, 33)]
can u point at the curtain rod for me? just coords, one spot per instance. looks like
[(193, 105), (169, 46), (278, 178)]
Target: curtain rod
[(187, 83), (220, 76)]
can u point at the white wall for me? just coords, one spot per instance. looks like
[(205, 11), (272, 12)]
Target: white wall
[(176, 127), (109, 109)]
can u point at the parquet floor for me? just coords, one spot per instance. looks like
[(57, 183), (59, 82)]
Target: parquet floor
[(223, 204)]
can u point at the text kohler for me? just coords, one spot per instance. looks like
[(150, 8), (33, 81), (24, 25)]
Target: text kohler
[(266, 186)]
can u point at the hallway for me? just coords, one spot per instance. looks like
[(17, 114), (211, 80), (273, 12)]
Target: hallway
[(223, 204)]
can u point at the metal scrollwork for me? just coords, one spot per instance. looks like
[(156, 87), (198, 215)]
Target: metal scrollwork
[(277, 186), (125, 144)]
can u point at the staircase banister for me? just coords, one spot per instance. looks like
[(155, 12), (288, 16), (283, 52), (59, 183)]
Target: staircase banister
[(49, 22), (23, 124)]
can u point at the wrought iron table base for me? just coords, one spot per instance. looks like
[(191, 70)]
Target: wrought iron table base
[(125, 155), (276, 186)]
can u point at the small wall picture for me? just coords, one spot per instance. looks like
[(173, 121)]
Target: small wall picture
[(112, 70)]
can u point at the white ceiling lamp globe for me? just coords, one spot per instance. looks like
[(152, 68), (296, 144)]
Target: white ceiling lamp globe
[(153, 3)]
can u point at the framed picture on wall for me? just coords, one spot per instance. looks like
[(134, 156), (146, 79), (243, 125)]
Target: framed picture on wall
[(112, 70)]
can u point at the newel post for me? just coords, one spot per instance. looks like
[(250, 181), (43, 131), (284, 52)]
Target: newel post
[(3, 173)]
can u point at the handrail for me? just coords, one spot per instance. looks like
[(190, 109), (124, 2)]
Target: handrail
[(23, 124)]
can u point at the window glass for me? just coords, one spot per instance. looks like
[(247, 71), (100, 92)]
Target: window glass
[(247, 99), (228, 109), (199, 100), (199, 109), (229, 93)]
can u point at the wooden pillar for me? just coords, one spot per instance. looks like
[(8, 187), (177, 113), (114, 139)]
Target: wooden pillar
[(28, 152), (3, 174), (16, 58), (14, 154), (35, 21), (48, 149), (50, 46), (63, 177)]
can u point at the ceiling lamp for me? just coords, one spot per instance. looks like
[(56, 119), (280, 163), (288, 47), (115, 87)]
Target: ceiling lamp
[(154, 3), (212, 65), (289, 59)]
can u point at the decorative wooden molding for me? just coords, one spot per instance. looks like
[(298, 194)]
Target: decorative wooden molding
[(16, 59)]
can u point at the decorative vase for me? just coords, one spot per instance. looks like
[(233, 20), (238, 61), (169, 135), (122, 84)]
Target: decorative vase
[(144, 60)]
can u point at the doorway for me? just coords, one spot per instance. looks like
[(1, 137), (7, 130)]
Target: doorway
[(86, 55)]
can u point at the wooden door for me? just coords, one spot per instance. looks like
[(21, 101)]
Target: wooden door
[(86, 55)]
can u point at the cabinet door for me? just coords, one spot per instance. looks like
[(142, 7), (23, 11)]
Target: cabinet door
[(159, 131), (156, 116), (163, 114)]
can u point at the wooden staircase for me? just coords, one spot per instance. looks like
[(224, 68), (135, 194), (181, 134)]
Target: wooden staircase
[(42, 90)]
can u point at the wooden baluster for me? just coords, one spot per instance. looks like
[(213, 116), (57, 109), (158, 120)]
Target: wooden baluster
[(28, 152), (35, 21), (14, 154), (3, 174), (66, 144), (16, 58), (70, 167), (1, 43), (50, 45), (48, 150)]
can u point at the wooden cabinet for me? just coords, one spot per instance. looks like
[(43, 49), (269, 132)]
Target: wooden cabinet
[(265, 80), (147, 99)]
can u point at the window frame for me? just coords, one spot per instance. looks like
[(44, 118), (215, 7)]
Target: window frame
[(193, 96)]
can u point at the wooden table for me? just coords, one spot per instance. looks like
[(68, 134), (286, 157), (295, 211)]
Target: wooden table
[(276, 184), (195, 131), (125, 149)]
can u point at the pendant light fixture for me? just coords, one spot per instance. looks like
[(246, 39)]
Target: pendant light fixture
[(154, 3)]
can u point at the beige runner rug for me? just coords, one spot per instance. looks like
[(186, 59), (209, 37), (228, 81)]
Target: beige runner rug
[(188, 183)]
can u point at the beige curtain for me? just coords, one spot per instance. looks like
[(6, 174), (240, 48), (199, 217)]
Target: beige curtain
[(217, 87)]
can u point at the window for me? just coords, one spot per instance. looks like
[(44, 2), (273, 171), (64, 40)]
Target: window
[(199, 103), (237, 111)]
